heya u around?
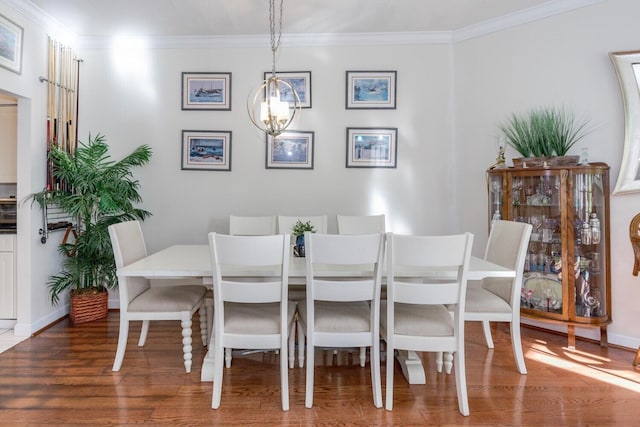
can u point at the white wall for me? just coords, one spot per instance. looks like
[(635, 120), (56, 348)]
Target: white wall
[(142, 105), (35, 261), (562, 60)]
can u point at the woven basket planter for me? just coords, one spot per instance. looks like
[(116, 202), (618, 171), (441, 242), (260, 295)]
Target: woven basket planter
[(88, 306)]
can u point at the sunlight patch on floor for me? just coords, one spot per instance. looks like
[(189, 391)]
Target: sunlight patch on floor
[(586, 364)]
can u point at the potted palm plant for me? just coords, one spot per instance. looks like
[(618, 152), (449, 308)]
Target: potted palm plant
[(544, 134), (299, 228), (95, 191)]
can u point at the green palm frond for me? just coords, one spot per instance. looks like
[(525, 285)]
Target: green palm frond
[(97, 191)]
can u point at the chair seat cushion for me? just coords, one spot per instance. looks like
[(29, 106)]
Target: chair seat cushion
[(480, 300), (333, 316), (168, 299), (242, 318), (419, 320)]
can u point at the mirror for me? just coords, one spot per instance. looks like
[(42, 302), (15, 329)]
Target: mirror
[(627, 65)]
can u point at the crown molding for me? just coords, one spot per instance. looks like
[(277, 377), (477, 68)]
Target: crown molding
[(516, 19), (545, 10), (289, 40)]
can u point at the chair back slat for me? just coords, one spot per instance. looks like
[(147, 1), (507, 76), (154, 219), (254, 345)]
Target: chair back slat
[(430, 253), (444, 292), (252, 225), (251, 292), (361, 224), (344, 290), (343, 249)]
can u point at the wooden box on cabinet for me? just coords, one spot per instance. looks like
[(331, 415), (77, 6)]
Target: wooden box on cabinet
[(567, 276)]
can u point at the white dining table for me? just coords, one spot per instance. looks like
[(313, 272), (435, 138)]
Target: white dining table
[(186, 261)]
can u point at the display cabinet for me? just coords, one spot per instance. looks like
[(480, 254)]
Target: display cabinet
[(567, 275)]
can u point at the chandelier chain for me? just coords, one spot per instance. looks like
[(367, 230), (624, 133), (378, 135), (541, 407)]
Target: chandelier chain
[(275, 42)]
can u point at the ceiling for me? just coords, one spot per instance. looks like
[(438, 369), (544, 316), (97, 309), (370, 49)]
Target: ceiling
[(104, 18)]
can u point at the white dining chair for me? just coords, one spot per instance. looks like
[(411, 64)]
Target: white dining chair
[(139, 300), (498, 299), (250, 314), (285, 226), (415, 316), (361, 224), (342, 312), (252, 225)]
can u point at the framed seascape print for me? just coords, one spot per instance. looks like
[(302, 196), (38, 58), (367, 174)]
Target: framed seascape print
[(10, 45), (371, 90), (372, 147), (206, 91), (206, 150), (290, 150), (301, 82)]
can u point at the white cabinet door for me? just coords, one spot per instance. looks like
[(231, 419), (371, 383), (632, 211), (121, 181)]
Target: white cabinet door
[(7, 278)]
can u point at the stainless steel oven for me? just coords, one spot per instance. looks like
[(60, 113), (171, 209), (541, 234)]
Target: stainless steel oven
[(8, 215)]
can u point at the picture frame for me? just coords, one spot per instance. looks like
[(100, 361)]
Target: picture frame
[(206, 150), (290, 150), (206, 91), (369, 147), (301, 82), (11, 36), (371, 90)]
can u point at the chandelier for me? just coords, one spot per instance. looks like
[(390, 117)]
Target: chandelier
[(268, 110)]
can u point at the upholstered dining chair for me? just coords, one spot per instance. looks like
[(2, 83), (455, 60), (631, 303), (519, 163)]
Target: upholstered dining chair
[(250, 314), (342, 312), (361, 224), (252, 225), (285, 226), (415, 316), (139, 300), (498, 299)]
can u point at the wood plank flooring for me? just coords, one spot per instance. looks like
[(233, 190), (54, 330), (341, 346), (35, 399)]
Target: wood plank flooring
[(63, 377)]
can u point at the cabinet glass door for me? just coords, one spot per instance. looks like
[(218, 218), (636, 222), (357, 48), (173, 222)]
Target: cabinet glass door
[(537, 199), (589, 212)]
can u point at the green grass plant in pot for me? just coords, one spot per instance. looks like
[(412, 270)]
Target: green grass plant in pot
[(96, 191), (544, 132), (298, 230)]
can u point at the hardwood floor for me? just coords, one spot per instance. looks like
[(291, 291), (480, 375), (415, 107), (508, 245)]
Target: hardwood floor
[(63, 377)]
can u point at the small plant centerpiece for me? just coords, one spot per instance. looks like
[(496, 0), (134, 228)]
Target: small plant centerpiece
[(298, 230), (544, 135), (95, 191)]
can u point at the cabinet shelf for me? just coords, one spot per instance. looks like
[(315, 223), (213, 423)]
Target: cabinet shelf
[(567, 276)]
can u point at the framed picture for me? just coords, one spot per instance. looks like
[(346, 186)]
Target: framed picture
[(10, 45), (290, 150), (371, 90), (372, 147), (301, 82), (206, 91), (206, 150)]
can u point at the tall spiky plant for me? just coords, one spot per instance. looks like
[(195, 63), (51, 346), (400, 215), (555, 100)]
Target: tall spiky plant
[(544, 132), (97, 192)]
